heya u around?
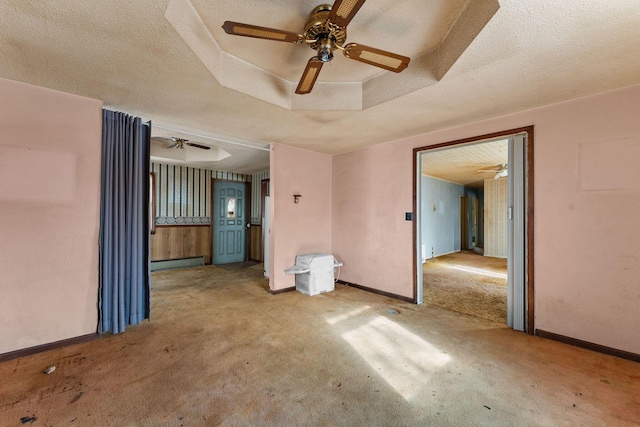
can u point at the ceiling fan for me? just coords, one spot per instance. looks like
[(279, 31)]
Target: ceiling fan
[(324, 31), (179, 143), (501, 170), (176, 149)]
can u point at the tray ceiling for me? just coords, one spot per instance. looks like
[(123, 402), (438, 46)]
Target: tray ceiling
[(127, 54)]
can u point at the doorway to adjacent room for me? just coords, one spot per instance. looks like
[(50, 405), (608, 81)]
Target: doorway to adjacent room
[(474, 224)]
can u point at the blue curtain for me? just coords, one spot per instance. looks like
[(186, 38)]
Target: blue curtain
[(124, 297)]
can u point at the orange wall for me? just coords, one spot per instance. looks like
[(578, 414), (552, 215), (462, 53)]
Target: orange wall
[(50, 148), (587, 199), (298, 228)]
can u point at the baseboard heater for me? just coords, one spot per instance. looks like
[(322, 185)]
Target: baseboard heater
[(168, 264)]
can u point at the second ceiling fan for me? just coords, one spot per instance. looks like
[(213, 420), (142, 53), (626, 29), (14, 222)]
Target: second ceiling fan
[(500, 170), (179, 143), (324, 31)]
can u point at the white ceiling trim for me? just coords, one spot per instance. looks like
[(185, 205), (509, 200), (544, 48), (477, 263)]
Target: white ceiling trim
[(431, 67), (245, 156), (242, 76), (187, 154), (212, 138)]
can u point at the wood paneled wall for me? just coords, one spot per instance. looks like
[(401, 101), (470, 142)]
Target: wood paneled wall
[(173, 242), (495, 217), (255, 252)]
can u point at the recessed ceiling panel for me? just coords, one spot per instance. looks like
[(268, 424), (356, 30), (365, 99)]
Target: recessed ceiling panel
[(410, 28)]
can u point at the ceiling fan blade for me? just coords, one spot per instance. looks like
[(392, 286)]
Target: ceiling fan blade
[(501, 174), (309, 76), (160, 139), (497, 168), (246, 30), (343, 11), (203, 147), (376, 57)]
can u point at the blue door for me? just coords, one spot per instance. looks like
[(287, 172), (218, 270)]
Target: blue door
[(229, 222)]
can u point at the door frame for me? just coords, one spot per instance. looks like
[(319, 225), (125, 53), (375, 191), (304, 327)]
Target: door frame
[(475, 224), (265, 186), (464, 222), (247, 215), (529, 184)]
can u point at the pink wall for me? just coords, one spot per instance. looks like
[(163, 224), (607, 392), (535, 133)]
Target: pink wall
[(372, 190), (587, 199), (50, 144), (298, 228)]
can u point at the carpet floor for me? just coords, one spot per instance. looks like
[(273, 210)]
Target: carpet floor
[(239, 265), (220, 350), (467, 283)]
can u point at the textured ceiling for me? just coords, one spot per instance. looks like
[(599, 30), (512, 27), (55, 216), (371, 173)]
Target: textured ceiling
[(127, 54)]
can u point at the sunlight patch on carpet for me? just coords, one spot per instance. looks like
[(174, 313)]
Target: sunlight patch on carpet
[(401, 358), (478, 271)]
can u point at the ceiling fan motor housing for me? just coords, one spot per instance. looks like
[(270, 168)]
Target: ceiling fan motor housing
[(325, 36), (178, 142)]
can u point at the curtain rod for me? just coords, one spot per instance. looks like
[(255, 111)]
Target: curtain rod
[(209, 137)]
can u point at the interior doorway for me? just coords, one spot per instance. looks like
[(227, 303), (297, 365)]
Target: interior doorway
[(490, 255), (266, 224)]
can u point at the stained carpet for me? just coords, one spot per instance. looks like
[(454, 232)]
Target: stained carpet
[(468, 283), (220, 350)]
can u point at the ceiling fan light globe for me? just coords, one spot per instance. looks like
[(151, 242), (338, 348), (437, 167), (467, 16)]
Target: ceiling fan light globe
[(326, 43), (325, 55)]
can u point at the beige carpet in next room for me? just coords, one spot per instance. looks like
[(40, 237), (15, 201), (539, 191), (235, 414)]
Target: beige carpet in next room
[(221, 350), (467, 283)]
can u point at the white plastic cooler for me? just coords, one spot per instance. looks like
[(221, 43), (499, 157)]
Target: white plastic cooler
[(314, 273)]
